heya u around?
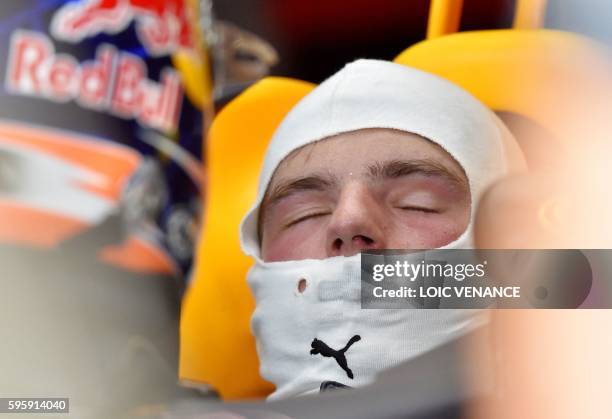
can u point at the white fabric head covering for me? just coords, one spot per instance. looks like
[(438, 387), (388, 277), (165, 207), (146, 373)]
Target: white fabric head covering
[(382, 94)]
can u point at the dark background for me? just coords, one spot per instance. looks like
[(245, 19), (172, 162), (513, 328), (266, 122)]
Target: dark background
[(315, 38)]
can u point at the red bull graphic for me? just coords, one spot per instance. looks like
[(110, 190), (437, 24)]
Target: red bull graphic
[(162, 25), (89, 89), (114, 81)]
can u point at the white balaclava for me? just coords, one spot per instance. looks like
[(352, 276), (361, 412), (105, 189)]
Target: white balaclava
[(364, 94)]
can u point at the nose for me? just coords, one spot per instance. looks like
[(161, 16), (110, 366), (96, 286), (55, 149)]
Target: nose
[(356, 223)]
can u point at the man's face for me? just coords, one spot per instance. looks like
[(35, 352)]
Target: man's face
[(367, 189)]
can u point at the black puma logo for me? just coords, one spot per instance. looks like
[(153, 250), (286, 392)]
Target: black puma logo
[(320, 347)]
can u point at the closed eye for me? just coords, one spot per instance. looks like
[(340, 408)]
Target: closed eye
[(421, 209), (306, 217)]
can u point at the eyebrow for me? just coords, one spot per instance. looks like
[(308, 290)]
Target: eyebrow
[(315, 182), (394, 169)]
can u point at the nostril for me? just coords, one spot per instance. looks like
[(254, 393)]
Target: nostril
[(337, 244), (364, 239), (301, 286), (362, 242)]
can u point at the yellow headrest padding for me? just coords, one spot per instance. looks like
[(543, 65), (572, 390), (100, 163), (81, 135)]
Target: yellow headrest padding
[(217, 347), (549, 76)]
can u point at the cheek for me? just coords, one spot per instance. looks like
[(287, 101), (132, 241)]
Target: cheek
[(295, 244), (426, 232)]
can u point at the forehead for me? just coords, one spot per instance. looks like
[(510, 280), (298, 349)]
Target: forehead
[(351, 153)]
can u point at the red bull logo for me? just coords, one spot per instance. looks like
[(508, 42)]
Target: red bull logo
[(114, 82), (161, 25)]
